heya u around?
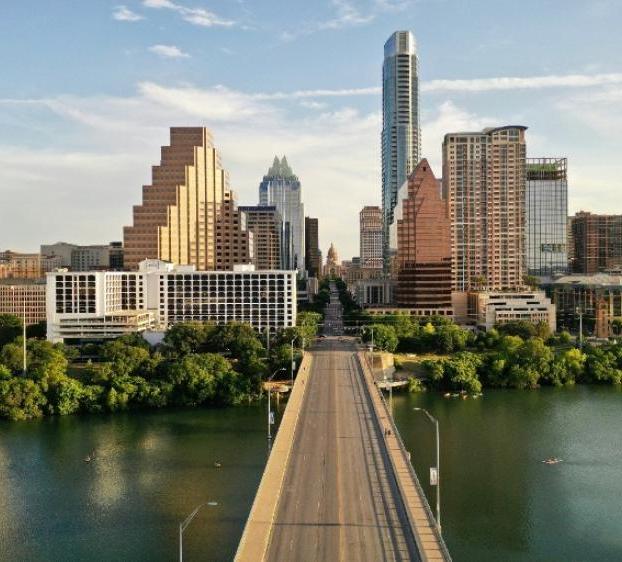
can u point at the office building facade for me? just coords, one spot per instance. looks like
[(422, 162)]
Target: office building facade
[(370, 237), (313, 255), (401, 138), (484, 184), (596, 243), (266, 226), (281, 188), (546, 216), (24, 298), (188, 215), (101, 305), (421, 229)]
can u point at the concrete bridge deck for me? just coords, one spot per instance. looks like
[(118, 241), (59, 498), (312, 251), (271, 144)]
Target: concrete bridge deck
[(335, 487)]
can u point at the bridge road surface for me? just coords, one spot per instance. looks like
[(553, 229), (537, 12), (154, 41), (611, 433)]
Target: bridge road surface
[(339, 500)]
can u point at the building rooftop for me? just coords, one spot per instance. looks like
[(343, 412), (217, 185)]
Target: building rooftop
[(597, 279)]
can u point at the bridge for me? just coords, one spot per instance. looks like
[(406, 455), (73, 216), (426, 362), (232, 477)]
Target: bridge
[(338, 484)]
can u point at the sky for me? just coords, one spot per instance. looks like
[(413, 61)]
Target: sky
[(89, 89)]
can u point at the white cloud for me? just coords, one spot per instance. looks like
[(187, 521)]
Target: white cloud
[(515, 83), (123, 13), (348, 15), (168, 51), (195, 16)]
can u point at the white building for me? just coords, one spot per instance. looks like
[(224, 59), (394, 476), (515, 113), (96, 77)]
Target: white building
[(486, 309), (105, 304)]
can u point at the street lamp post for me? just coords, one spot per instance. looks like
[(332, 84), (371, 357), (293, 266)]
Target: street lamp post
[(438, 467), (580, 313), (292, 361), (186, 522), (13, 291), (269, 405)]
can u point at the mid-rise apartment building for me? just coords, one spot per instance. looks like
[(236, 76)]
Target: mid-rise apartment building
[(596, 243), (484, 183), (18, 265), (105, 304), (370, 236), (188, 214), (24, 298)]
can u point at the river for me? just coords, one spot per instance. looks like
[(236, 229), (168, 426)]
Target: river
[(499, 501)]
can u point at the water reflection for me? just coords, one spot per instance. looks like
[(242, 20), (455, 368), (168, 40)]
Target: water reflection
[(500, 502)]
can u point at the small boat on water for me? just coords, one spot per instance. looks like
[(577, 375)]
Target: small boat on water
[(87, 458), (552, 460), (447, 395)]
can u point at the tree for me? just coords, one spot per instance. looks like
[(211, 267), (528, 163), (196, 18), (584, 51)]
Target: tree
[(308, 324), (125, 359), (460, 372), (384, 336), (10, 328), (5, 372), (520, 328), (195, 378), (46, 360), (64, 396), (21, 399), (186, 338)]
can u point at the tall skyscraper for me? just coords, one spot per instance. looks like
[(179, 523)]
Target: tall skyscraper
[(188, 213), (484, 183), (313, 255), (280, 188), (266, 226), (401, 137), (422, 234), (546, 215), (370, 232), (596, 243)]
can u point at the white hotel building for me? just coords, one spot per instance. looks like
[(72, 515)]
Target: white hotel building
[(100, 305)]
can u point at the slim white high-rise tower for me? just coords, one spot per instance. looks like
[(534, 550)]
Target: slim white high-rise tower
[(401, 137)]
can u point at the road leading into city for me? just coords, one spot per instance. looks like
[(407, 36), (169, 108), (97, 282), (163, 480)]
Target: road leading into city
[(333, 314), (339, 499)]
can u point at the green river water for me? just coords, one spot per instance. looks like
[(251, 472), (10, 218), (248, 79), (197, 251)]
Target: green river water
[(499, 501)]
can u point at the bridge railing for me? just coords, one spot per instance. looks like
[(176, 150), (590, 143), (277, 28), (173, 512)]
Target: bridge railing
[(410, 468)]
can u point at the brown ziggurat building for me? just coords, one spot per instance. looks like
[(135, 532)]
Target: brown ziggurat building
[(422, 230), (188, 213)]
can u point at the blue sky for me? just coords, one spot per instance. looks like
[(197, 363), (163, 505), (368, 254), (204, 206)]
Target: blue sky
[(89, 89)]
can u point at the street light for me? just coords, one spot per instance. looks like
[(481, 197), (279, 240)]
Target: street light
[(437, 480), (390, 385), (186, 522), (270, 419), (23, 326), (292, 361)]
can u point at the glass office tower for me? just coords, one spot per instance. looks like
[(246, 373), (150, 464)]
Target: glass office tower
[(400, 122), (546, 212)]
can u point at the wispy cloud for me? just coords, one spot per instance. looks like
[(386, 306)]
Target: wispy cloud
[(195, 16), (123, 13), (348, 13), (471, 85), (520, 83), (168, 51)]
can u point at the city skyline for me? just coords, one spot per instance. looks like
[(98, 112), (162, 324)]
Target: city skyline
[(73, 127)]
